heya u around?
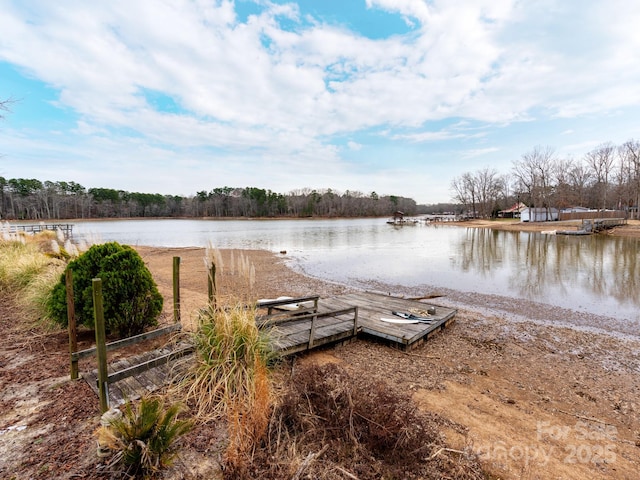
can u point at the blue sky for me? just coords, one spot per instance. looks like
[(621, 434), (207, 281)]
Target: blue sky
[(392, 96)]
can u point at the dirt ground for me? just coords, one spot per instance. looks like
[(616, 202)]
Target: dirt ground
[(534, 400)]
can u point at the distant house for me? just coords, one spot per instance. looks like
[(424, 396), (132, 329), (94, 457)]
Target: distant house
[(513, 211), (575, 210), (398, 219), (538, 214)]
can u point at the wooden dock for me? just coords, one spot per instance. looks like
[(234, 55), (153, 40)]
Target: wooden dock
[(595, 225), (65, 228), (600, 224), (134, 386), (312, 330), (373, 307), (331, 320)]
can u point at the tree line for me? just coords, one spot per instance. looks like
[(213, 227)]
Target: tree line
[(32, 199), (605, 178)]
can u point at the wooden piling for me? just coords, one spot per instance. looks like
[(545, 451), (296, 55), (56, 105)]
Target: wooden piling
[(101, 344), (176, 289), (212, 284), (71, 320)]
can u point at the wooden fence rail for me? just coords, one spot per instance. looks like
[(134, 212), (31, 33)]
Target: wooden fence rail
[(592, 215), (126, 342), (65, 228)]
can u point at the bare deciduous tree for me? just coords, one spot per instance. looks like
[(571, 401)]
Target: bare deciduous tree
[(600, 161), (579, 179), (629, 154), (5, 106), (479, 191), (534, 174)]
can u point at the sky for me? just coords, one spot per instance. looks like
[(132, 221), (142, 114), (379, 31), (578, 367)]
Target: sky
[(397, 97)]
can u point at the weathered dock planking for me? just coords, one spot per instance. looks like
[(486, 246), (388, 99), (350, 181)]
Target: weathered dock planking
[(150, 380), (372, 307), (311, 330)]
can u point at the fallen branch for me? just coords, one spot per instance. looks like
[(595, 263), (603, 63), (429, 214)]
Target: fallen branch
[(427, 297), (343, 471), (451, 450), (307, 461), (591, 419)]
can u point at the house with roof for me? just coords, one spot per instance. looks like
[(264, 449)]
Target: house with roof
[(533, 214), (513, 211)]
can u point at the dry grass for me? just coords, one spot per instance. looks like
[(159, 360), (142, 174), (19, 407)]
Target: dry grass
[(247, 425), (30, 266), (329, 425), (229, 380), (29, 272), (230, 362), (241, 268)]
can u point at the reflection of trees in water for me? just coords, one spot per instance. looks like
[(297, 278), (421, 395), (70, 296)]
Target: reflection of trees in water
[(618, 260), (539, 268), (480, 250), (544, 264), (596, 277)]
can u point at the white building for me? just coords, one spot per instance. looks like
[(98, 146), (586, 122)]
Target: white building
[(538, 214)]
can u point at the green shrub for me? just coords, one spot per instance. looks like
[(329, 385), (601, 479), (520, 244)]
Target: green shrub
[(143, 440), (130, 295)]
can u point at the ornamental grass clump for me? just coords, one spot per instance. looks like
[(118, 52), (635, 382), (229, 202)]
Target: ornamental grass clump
[(232, 359), (143, 440), (229, 380), (21, 261), (29, 272)]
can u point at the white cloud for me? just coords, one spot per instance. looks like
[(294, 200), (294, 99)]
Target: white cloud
[(478, 152), (417, 9), (270, 98)]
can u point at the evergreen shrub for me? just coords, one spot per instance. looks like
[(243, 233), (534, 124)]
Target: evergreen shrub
[(130, 295)]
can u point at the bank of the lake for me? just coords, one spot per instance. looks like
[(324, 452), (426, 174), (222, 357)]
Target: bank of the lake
[(534, 395), (535, 399)]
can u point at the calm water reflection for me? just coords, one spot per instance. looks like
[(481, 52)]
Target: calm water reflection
[(596, 274)]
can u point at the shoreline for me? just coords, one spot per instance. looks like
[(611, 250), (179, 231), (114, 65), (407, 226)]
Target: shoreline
[(502, 384), (529, 399), (631, 229), (281, 276)]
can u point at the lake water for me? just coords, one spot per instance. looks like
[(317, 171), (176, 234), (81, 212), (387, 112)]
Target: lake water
[(593, 274)]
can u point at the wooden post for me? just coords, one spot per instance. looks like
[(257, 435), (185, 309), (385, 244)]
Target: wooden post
[(212, 284), (176, 289), (71, 320), (101, 345), (312, 332), (355, 321)]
